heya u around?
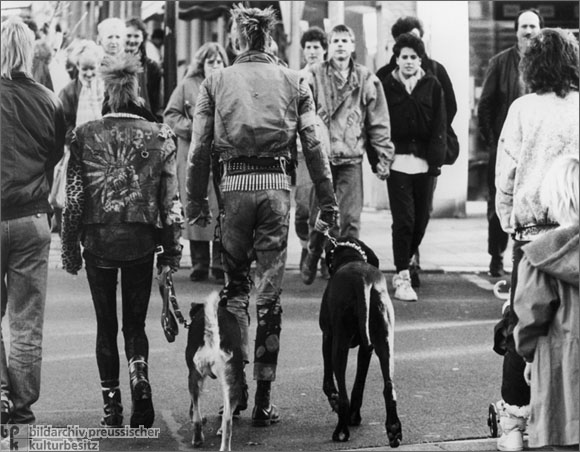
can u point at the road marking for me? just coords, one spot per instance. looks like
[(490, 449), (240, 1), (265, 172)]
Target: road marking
[(173, 427), (478, 281), (441, 325), (70, 357)]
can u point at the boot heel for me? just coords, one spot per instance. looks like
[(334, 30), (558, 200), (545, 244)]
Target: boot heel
[(142, 413)]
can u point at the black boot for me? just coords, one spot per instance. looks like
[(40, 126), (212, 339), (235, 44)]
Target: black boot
[(264, 412), (112, 406), (142, 411)]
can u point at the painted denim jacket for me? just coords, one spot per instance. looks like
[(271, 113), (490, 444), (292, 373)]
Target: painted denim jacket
[(122, 170), (355, 113)]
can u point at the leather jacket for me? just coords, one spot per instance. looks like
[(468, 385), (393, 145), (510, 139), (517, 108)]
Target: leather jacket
[(122, 171), (355, 114), (501, 87), (33, 133), (255, 108)]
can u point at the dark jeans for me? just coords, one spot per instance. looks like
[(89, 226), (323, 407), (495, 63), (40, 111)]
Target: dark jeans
[(514, 389), (135, 294), (497, 239), (255, 227), (410, 198)]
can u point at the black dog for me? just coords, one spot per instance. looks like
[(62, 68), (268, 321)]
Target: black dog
[(214, 350), (356, 311)]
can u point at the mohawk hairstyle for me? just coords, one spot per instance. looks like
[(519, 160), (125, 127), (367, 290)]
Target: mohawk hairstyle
[(254, 25), (121, 82)]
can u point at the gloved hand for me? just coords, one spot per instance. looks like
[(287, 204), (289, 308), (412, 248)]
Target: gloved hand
[(321, 225), (203, 219)]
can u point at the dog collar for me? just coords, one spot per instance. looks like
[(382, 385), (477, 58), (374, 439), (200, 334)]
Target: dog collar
[(355, 247)]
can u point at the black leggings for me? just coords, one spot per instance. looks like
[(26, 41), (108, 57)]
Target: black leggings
[(135, 293), (514, 389)]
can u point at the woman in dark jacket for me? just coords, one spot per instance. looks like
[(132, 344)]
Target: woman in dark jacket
[(123, 205), (418, 130)]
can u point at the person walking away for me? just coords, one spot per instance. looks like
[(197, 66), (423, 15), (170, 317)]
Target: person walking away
[(32, 143), (179, 116), (255, 93), (501, 86), (548, 309), (419, 131), (352, 106), (539, 127), (123, 203)]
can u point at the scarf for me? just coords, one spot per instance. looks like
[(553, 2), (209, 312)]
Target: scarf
[(90, 101)]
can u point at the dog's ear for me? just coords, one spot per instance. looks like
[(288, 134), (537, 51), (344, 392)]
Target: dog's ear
[(371, 256)]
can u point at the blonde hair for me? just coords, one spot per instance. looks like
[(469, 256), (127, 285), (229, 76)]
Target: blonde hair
[(560, 190), (86, 47), (16, 47)]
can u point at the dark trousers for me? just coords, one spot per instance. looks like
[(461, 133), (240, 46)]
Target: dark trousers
[(410, 198), (497, 239), (135, 293), (514, 389)]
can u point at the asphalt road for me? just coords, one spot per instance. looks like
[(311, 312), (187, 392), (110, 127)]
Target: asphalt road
[(446, 373)]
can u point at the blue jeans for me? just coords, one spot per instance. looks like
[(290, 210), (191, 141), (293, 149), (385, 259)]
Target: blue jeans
[(255, 227), (25, 248)]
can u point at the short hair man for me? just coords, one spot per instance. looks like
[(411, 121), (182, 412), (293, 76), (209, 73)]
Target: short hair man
[(32, 142), (501, 86), (255, 93), (351, 103), (111, 35), (314, 45)]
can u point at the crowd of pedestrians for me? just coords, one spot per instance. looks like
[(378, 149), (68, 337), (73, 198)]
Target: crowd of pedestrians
[(213, 166)]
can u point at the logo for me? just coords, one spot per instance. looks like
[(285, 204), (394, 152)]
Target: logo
[(15, 437)]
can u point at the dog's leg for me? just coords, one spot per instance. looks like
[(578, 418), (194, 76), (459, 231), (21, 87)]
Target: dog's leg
[(195, 387), (356, 398), (385, 350), (340, 348), (328, 379), (227, 415)]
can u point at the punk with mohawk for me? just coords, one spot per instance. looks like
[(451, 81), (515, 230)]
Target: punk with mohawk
[(254, 26), (249, 115), (121, 79)]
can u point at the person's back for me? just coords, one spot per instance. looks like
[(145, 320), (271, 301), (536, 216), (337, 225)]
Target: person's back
[(547, 305), (258, 112), (32, 142)]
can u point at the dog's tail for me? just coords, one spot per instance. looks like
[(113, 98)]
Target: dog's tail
[(363, 303), (209, 357)]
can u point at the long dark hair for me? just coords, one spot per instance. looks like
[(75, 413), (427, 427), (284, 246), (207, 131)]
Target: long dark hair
[(550, 63)]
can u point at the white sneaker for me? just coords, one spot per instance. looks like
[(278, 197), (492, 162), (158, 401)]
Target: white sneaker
[(402, 285), (513, 424)]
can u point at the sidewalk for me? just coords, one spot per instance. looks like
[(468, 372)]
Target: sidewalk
[(449, 245)]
